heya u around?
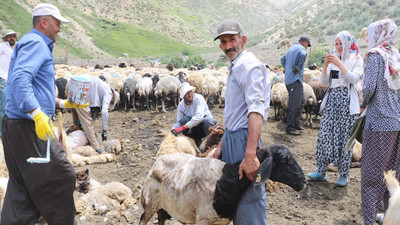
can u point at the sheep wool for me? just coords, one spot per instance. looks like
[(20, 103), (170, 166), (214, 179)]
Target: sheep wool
[(207, 191), (392, 215)]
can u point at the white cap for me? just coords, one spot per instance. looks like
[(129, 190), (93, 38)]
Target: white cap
[(8, 32), (45, 9), (184, 88)]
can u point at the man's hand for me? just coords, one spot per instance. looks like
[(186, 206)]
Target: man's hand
[(42, 125), (217, 153), (67, 105), (178, 130), (249, 165)]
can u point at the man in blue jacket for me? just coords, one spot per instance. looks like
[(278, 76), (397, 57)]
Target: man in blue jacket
[(293, 62), (42, 189)]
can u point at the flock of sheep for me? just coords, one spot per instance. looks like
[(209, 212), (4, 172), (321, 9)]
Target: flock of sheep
[(144, 89)]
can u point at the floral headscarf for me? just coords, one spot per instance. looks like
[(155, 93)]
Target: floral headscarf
[(349, 44), (382, 40)]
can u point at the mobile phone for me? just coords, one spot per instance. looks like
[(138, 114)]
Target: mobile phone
[(328, 51)]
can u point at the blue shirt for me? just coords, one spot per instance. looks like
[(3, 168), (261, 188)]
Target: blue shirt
[(247, 90), (296, 56), (31, 77)]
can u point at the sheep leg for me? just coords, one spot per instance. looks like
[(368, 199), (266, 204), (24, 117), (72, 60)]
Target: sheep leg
[(163, 103), (147, 104), (149, 210), (156, 105), (162, 216)]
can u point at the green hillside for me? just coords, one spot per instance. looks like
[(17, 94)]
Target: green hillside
[(326, 18)]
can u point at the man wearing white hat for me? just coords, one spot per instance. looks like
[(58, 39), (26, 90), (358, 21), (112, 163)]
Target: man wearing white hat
[(6, 48), (44, 189), (193, 116)]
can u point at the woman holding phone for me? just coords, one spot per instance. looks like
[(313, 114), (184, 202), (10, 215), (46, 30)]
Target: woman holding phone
[(341, 72)]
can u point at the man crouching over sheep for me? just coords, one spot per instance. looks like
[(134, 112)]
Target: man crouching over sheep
[(246, 110), (193, 116)]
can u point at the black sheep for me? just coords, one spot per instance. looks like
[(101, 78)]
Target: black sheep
[(206, 190)]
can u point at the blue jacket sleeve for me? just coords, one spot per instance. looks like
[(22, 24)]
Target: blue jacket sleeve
[(28, 61)]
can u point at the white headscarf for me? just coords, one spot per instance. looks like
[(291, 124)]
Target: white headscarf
[(382, 40), (349, 44)]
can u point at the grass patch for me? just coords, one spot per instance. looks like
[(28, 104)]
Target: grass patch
[(15, 17)]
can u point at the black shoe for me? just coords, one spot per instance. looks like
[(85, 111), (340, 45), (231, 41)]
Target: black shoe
[(99, 151), (293, 132), (299, 127)]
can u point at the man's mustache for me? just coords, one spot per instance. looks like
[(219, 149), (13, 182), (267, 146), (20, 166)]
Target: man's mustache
[(230, 50)]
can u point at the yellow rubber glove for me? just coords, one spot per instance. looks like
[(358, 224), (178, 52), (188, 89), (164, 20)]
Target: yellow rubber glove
[(42, 126), (69, 105)]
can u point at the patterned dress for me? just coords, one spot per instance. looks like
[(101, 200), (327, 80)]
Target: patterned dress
[(381, 141), (335, 127)]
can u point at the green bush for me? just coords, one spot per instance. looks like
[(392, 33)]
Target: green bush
[(197, 61), (177, 61), (317, 56), (219, 64)]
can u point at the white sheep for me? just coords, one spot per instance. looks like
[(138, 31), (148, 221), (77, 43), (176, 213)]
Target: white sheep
[(279, 99), (167, 86), (145, 90), (285, 43), (392, 215), (107, 197), (77, 138), (114, 146), (172, 144), (78, 160), (222, 97), (310, 74), (309, 102), (195, 79), (364, 33), (62, 137), (210, 86), (86, 150), (203, 191), (3, 166), (3, 189)]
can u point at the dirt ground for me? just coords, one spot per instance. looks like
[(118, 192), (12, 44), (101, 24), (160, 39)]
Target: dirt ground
[(319, 203)]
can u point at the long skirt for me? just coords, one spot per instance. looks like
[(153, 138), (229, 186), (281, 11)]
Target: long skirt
[(335, 128)]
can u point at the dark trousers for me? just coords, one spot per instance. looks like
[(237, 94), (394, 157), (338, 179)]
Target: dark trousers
[(35, 190), (199, 131), (295, 106)]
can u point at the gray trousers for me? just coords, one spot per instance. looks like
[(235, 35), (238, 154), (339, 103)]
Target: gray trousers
[(252, 208), (35, 190), (295, 106)]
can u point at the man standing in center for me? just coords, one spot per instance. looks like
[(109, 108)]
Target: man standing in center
[(246, 111), (293, 62)]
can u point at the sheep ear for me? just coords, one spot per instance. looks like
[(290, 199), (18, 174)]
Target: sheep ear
[(264, 171)]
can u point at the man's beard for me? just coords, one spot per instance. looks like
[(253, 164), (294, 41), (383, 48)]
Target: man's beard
[(188, 102), (11, 42)]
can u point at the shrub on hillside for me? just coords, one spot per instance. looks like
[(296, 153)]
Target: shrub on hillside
[(196, 61), (317, 56)]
